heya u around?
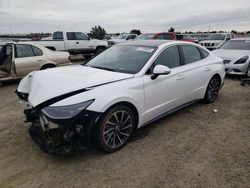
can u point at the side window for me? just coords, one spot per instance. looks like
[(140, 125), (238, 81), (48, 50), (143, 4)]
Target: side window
[(58, 36), (37, 51), (70, 36), (191, 54), (24, 50), (169, 57), (168, 36), (80, 36), (160, 37), (204, 53), (131, 37), (228, 37)]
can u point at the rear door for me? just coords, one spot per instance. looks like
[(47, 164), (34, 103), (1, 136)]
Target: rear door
[(27, 58), (196, 71), (78, 42)]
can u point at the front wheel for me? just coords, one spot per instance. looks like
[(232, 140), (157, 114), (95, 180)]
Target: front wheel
[(115, 128), (212, 90)]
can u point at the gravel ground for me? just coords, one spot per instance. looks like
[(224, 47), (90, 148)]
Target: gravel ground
[(194, 147)]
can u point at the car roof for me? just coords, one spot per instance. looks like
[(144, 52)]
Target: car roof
[(152, 43)]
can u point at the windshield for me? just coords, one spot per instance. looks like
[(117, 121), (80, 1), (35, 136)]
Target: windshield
[(145, 37), (216, 37), (125, 59), (237, 45), (122, 36)]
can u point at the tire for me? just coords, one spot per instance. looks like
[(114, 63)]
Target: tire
[(87, 56), (49, 66), (212, 90), (116, 127)]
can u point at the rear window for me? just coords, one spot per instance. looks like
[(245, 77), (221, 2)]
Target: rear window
[(191, 54), (24, 50), (58, 36)]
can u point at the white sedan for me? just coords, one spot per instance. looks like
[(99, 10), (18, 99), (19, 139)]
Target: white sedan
[(17, 59), (126, 87), (236, 56)]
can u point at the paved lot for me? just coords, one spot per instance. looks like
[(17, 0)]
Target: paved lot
[(193, 147)]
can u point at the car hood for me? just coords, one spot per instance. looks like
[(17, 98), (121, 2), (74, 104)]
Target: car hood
[(231, 54), (48, 84)]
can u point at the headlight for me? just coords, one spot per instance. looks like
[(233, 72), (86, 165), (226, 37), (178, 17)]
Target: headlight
[(242, 60), (66, 112)]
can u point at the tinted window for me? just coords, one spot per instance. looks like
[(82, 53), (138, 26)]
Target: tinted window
[(70, 36), (191, 54), (58, 36), (204, 53), (24, 50), (169, 57), (168, 36), (161, 37), (80, 36), (37, 51), (131, 37)]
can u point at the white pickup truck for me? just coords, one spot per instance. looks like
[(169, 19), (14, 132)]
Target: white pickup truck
[(74, 43)]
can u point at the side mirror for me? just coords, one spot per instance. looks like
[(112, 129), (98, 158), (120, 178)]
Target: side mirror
[(160, 70)]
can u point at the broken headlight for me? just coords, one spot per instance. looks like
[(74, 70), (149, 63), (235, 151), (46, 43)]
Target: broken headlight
[(66, 112)]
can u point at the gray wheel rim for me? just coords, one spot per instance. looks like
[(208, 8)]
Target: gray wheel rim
[(213, 89), (117, 129)]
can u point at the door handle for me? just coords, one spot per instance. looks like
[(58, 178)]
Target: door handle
[(77, 42), (180, 77), (39, 60), (207, 69)]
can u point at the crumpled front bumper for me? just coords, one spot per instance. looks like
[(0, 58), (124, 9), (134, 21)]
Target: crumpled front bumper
[(237, 69), (59, 137)]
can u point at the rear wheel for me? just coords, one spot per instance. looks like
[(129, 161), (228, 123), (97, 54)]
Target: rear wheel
[(212, 90), (116, 128)]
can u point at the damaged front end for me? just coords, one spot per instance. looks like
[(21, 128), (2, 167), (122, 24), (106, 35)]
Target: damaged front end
[(60, 130)]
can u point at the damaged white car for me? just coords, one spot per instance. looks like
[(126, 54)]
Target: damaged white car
[(124, 88)]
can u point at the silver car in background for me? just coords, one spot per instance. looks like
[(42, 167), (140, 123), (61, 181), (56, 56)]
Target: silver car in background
[(236, 56)]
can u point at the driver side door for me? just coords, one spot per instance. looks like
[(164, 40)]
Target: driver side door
[(165, 92)]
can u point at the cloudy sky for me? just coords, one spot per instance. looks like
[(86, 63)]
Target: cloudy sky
[(24, 16)]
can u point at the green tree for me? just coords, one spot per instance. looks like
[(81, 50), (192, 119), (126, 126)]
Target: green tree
[(98, 32), (171, 29)]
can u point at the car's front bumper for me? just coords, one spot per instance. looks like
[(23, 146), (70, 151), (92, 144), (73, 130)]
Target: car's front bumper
[(237, 69), (61, 137)]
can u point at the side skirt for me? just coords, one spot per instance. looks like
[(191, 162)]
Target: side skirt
[(169, 112)]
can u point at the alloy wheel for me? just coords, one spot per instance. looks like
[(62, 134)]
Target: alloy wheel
[(117, 129)]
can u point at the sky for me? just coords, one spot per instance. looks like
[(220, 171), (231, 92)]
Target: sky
[(25, 16)]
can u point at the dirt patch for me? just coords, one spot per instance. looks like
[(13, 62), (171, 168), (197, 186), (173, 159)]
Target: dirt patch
[(194, 147)]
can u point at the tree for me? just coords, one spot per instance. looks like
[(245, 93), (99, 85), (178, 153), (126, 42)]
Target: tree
[(171, 29), (135, 31), (98, 32), (234, 32)]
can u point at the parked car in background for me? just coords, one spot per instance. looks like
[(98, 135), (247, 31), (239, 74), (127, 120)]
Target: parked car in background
[(165, 36), (122, 38), (74, 43), (187, 38), (126, 87), (17, 59), (214, 41), (157, 36), (236, 56)]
